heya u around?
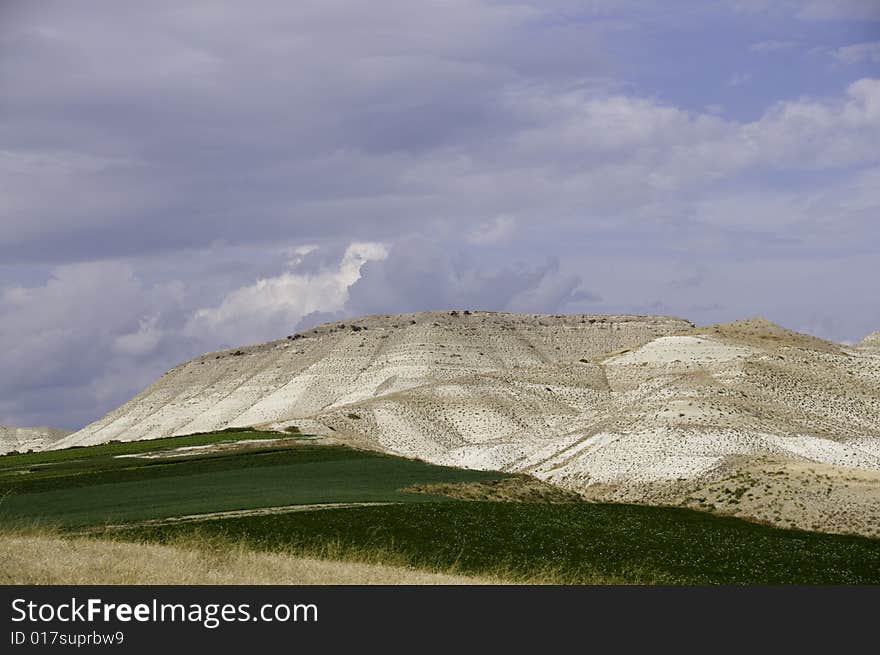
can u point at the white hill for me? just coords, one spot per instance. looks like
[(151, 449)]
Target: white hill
[(337, 364), (686, 419), (24, 439), (745, 418)]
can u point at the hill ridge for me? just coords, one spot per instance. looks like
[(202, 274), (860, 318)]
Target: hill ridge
[(348, 360)]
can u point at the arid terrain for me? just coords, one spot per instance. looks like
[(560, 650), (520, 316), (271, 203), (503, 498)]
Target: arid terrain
[(24, 439), (340, 364), (746, 418)]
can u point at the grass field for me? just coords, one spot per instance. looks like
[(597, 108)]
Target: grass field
[(10, 461), (40, 557), (571, 543), (95, 488)]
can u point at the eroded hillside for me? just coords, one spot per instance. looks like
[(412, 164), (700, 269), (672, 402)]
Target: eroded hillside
[(870, 342), (341, 363), (745, 418), (24, 439)]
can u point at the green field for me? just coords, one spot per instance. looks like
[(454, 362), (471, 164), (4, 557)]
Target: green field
[(12, 461), (93, 486), (571, 542)]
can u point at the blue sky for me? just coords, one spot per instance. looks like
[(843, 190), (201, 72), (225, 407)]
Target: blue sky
[(180, 177)]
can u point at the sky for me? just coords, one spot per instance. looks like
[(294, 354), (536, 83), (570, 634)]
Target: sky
[(178, 177)]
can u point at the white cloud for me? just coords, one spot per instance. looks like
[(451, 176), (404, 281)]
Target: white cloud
[(598, 144), (143, 340), (297, 254), (265, 309), (820, 134)]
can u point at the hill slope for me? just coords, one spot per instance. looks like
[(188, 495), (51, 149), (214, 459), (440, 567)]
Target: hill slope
[(23, 439), (347, 362), (870, 342), (745, 418)]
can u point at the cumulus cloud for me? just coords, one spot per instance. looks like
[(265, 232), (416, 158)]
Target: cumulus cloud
[(141, 341), (269, 307), (622, 149), (94, 334)]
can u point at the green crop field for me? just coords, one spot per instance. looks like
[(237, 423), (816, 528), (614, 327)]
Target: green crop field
[(568, 543), (104, 484), (111, 489), (12, 461)]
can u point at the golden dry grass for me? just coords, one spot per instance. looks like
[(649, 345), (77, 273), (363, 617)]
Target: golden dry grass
[(761, 333), (796, 494), (44, 558), (515, 489)]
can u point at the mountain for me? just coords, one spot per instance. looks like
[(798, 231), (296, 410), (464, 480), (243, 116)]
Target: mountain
[(23, 439)]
